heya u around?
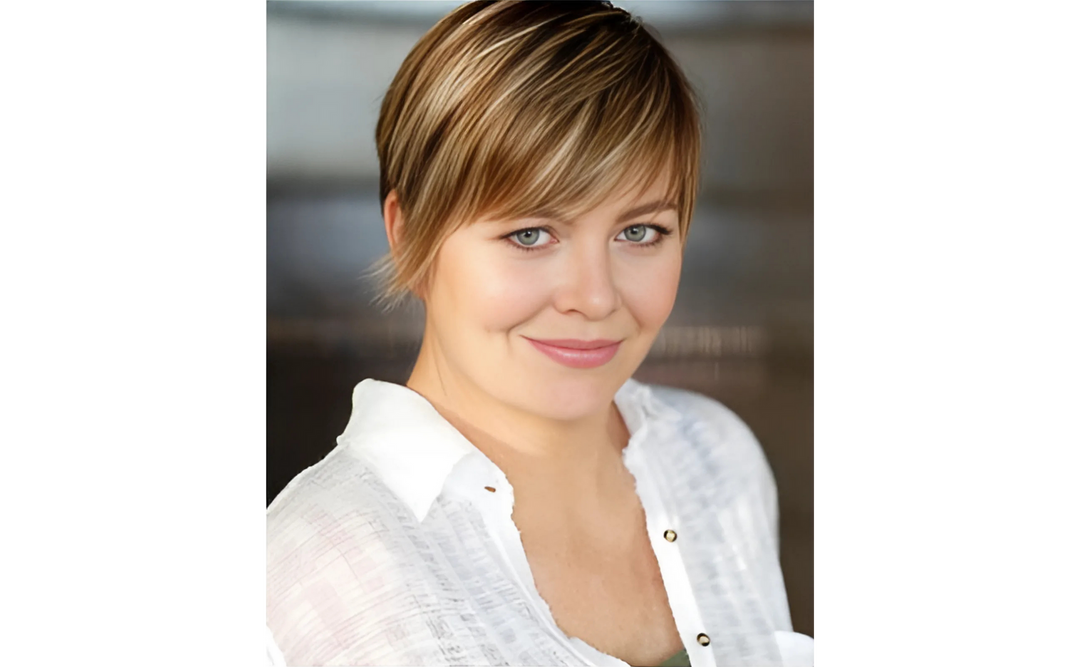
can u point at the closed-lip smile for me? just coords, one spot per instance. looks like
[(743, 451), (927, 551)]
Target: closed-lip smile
[(577, 353)]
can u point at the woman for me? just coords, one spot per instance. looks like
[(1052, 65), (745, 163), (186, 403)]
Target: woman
[(522, 501)]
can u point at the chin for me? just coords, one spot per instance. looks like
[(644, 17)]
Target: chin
[(566, 397)]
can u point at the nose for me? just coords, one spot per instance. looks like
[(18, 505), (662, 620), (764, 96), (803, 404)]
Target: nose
[(587, 285)]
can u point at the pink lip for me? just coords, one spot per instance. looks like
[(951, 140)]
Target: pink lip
[(578, 353)]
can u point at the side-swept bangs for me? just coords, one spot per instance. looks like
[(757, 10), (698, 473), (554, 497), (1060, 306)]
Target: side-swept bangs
[(521, 109)]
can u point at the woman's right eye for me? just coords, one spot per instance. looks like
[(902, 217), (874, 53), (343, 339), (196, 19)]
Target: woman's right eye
[(530, 238)]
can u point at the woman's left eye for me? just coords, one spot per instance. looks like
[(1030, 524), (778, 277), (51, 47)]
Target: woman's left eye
[(642, 234)]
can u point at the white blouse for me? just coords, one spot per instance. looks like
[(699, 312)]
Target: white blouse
[(393, 550)]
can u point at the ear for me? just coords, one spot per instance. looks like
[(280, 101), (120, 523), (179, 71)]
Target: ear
[(393, 220)]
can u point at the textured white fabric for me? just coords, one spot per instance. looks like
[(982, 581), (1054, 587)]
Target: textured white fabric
[(391, 552), (274, 656), (795, 649)]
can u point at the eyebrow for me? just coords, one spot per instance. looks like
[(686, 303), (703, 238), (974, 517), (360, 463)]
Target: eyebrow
[(651, 207)]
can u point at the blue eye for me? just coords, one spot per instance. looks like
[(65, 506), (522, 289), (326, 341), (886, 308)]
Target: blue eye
[(529, 238), (642, 234)]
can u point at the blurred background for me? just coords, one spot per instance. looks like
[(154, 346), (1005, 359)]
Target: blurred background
[(742, 327)]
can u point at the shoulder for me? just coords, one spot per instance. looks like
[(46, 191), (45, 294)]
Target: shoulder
[(719, 438), (695, 408), (331, 556), (331, 489), (702, 417), (325, 518), (334, 510)]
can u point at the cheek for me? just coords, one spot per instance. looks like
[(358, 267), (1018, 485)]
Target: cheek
[(489, 289), (649, 288)]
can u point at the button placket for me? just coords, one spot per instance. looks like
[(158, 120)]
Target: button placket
[(679, 589), (702, 638)]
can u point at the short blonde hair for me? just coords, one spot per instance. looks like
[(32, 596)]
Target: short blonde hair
[(512, 109)]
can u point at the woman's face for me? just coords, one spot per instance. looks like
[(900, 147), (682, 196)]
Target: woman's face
[(511, 303)]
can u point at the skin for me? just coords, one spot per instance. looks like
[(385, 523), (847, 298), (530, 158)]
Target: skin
[(554, 430)]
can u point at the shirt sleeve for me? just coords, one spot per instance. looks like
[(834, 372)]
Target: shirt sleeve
[(762, 483), (769, 496)]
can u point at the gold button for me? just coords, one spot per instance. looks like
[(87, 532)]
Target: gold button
[(670, 535), (490, 488), (703, 639)]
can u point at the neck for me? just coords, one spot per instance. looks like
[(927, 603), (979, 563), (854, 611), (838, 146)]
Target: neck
[(581, 456)]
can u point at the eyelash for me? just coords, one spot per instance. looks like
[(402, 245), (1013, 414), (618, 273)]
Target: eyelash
[(661, 233)]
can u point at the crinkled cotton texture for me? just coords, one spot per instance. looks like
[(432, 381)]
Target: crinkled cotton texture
[(390, 551)]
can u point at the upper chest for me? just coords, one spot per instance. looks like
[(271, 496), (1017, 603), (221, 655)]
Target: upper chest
[(600, 578)]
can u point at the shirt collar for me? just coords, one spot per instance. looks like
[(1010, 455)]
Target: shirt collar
[(404, 440), (639, 406), (413, 449)]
